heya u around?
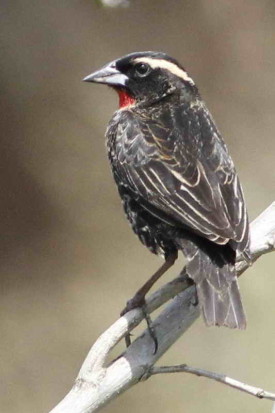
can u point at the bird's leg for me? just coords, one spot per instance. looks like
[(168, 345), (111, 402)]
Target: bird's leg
[(139, 298)]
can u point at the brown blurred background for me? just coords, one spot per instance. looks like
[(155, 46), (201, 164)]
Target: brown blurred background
[(68, 259)]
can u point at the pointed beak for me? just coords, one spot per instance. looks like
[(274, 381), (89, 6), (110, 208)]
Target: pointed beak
[(108, 75)]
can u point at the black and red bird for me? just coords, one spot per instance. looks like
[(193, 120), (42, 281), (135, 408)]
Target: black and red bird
[(177, 181)]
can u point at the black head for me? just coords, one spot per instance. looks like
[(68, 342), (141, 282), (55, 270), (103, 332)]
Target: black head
[(146, 76)]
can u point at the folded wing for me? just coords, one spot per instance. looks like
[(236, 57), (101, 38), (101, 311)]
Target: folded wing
[(185, 173)]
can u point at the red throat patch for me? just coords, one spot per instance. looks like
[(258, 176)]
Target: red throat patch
[(125, 99)]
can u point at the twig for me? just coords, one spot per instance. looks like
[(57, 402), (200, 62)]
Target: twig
[(221, 378), (98, 383), (114, 3)]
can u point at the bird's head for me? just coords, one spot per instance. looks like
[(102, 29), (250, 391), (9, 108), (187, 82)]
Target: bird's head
[(145, 78)]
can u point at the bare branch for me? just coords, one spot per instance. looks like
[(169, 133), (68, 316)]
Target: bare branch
[(114, 3), (221, 378), (97, 383)]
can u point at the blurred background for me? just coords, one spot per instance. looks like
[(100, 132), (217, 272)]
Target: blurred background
[(69, 260)]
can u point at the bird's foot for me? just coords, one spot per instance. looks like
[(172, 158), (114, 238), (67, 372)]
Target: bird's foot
[(151, 329), (138, 301)]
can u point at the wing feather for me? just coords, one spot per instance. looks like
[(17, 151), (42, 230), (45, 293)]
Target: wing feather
[(185, 172)]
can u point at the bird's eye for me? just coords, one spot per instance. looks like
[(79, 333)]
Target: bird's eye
[(142, 69)]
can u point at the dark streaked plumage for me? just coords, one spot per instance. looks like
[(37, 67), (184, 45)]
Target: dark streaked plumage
[(178, 184)]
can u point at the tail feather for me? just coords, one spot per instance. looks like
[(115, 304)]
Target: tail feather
[(216, 284)]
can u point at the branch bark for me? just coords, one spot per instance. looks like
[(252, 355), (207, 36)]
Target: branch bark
[(98, 383), (114, 3), (221, 378)]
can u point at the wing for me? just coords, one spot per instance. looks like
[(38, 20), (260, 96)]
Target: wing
[(178, 164)]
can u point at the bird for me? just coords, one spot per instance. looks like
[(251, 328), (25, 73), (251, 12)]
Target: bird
[(177, 182)]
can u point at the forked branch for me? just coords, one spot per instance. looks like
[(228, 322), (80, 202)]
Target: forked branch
[(98, 382)]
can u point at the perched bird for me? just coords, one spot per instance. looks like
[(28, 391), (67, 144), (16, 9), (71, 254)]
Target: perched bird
[(176, 179)]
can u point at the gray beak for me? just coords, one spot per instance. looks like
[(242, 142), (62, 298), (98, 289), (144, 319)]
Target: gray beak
[(108, 75)]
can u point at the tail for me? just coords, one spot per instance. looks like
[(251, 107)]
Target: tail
[(212, 267)]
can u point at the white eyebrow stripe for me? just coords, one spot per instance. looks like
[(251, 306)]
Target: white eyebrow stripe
[(164, 64)]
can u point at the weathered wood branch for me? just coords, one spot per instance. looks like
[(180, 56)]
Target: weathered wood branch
[(221, 378), (98, 383), (114, 3)]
